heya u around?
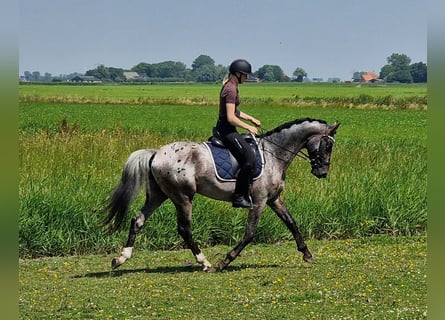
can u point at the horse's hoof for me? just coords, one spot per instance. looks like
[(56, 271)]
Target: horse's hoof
[(115, 263), (222, 265), (308, 259), (210, 269)]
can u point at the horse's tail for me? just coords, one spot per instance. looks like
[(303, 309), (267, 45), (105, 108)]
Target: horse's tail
[(135, 176)]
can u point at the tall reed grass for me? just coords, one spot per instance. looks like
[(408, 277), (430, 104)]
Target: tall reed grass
[(71, 156)]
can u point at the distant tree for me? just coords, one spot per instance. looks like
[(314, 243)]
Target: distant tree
[(116, 74), (142, 67), (220, 72), (101, 72), (205, 73), (188, 75), (268, 76), (35, 76), (165, 69), (47, 77), (271, 73), (202, 60), (418, 72), (109, 74), (299, 74), (399, 60), (204, 69), (385, 71), (179, 69), (401, 75), (170, 69), (357, 76), (28, 76), (397, 69)]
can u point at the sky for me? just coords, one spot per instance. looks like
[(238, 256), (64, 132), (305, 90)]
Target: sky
[(326, 38)]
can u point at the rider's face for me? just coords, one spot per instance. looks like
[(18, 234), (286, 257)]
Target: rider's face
[(243, 77)]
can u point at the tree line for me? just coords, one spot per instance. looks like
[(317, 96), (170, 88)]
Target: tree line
[(204, 69)]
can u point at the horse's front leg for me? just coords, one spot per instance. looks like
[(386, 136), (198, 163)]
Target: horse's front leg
[(252, 222), (281, 210)]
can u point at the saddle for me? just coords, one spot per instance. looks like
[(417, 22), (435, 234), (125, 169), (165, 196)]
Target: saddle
[(225, 164)]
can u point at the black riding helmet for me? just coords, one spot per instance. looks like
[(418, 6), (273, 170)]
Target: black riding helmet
[(240, 65)]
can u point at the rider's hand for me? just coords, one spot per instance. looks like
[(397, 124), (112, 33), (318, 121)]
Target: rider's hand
[(253, 130), (256, 122)]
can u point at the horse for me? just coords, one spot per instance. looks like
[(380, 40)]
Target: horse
[(179, 170)]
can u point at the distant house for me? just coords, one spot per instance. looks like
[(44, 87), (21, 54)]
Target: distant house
[(369, 76), (252, 78), (135, 76), (85, 79), (130, 75)]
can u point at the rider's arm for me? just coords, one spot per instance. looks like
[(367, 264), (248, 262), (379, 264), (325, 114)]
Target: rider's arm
[(247, 117), (235, 121)]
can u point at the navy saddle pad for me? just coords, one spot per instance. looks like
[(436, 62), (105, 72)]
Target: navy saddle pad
[(226, 166)]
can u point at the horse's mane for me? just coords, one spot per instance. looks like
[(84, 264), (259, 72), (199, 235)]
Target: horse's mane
[(289, 124)]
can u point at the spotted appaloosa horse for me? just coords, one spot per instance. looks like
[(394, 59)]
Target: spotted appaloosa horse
[(179, 170)]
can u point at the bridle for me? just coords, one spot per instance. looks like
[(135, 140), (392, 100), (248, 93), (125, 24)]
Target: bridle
[(314, 158)]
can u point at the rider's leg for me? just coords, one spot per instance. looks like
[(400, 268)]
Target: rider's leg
[(245, 156), (241, 197)]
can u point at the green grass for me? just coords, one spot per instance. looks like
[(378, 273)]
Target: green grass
[(377, 183), (370, 278), (400, 96), (73, 141), (71, 156)]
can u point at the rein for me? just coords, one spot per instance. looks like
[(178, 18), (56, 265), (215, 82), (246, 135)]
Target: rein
[(300, 153)]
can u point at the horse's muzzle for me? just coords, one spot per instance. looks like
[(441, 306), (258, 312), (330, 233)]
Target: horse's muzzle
[(320, 172)]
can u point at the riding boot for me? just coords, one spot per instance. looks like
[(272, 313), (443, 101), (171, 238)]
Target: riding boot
[(241, 201), (241, 196)]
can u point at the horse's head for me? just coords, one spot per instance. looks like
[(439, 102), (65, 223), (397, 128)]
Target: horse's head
[(319, 147)]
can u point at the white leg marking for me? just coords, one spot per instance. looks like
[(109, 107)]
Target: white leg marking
[(140, 220), (200, 258), (126, 252)]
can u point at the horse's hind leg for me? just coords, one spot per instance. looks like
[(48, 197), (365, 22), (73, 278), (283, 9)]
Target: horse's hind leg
[(184, 217), (283, 213), (136, 225)]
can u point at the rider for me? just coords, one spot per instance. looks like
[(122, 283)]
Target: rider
[(230, 117)]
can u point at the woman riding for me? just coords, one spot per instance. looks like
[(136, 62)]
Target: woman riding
[(230, 117)]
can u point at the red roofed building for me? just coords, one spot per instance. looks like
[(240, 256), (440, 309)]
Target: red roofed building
[(369, 76)]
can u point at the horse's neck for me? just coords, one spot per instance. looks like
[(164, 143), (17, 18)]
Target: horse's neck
[(287, 143)]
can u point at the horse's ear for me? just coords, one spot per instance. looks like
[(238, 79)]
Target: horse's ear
[(333, 128)]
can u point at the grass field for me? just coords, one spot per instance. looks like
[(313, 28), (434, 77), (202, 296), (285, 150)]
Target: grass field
[(278, 94), (71, 155), (371, 278), (377, 183), (365, 224)]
